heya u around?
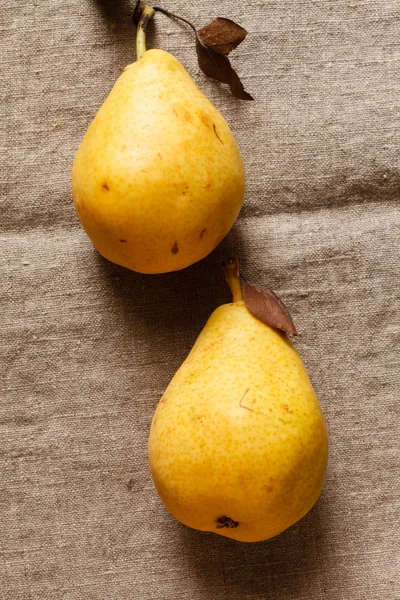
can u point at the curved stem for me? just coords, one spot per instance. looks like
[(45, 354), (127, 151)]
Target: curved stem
[(232, 276), (147, 14), (170, 14)]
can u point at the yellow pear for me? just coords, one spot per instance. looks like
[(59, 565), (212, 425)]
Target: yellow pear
[(238, 444), (158, 179)]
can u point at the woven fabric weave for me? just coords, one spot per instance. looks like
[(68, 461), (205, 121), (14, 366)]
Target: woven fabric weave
[(87, 347)]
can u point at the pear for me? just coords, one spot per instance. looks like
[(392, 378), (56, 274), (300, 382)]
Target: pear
[(238, 444), (158, 180)]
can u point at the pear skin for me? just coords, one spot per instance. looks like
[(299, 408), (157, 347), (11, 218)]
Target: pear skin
[(238, 444), (158, 180)]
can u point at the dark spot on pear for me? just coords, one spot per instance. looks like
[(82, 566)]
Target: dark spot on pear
[(205, 120), (122, 240), (216, 133), (175, 248), (105, 187), (226, 522), (202, 232)]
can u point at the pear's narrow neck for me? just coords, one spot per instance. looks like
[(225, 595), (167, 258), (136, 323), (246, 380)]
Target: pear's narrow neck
[(147, 14)]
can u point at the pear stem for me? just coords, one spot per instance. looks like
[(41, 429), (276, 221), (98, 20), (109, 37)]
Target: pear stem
[(232, 276), (173, 16), (147, 14)]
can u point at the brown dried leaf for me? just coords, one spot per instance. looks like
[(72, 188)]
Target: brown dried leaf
[(218, 67), (222, 35), (268, 307)]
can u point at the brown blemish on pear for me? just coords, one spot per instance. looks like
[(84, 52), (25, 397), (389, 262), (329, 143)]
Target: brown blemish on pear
[(216, 133)]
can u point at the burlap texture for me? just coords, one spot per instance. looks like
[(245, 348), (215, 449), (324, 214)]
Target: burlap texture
[(87, 348)]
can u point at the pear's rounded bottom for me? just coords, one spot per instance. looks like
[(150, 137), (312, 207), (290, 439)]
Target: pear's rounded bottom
[(245, 532), (150, 270), (153, 267)]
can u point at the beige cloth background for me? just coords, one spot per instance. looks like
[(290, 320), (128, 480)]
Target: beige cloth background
[(87, 348)]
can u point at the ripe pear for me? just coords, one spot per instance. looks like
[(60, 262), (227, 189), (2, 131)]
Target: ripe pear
[(158, 180), (238, 444)]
